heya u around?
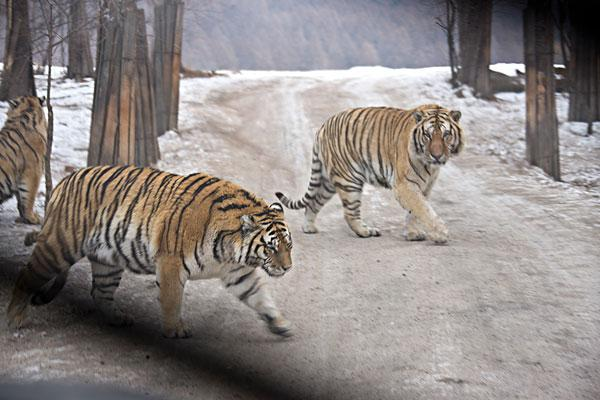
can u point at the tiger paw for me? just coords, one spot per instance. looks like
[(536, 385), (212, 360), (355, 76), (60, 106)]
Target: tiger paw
[(281, 327), (118, 319), (367, 231), (440, 235), (309, 228), (413, 236), (33, 219), (15, 318), (177, 332)]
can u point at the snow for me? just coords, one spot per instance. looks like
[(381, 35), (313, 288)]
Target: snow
[(509, 69)]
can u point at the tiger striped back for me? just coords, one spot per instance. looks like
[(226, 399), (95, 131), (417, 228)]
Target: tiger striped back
[(383, 146), (22, 149), (149, 221)]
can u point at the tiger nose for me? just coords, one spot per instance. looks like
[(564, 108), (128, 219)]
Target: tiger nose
[(436, 151), (287, 267)]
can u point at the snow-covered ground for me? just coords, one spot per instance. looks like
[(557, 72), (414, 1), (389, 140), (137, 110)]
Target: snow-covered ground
[(509, 309)]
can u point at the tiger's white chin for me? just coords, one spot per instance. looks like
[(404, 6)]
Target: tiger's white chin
[(437, 162), (274, 272)]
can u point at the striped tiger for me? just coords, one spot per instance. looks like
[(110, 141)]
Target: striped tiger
[(152, 222), (22, 150), (389, 147)]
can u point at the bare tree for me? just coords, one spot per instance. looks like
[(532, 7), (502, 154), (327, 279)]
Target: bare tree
[(448, 25), (123, 127), (80, 64), (17, 76), (475, 38), (541, 124), (50, 132), (168, 29)]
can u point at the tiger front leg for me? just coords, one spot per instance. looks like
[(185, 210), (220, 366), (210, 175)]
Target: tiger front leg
[(414, 231), (410, 198), (26, 192), (249, 285), (171, 285)]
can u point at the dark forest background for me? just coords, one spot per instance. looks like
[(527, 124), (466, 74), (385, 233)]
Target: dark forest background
[(316, 34)]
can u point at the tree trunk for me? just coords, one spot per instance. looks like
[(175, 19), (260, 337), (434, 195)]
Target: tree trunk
[(475, 42), (123, 127), (168, 28), (50, 131), (17, 77), (584, 65), (80, 55), (541, 125)]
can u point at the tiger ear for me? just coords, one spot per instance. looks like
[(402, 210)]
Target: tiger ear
[(42, 100), (276, 206), (455, 115), (13, 103), (248, 223), (418, 116)]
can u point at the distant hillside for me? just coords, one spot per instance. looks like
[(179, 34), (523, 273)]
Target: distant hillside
[(327, 34)]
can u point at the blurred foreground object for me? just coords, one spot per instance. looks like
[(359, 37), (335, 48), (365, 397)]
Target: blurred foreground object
[(58, 391)]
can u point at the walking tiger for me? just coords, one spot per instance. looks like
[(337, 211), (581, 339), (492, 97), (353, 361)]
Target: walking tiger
[(153, 222), (22, 150), (382, 146)]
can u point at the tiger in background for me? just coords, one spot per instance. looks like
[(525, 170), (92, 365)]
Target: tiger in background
[(382, 146), (22, 150), (152, 222)]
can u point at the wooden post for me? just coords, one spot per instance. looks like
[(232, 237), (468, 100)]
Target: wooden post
[(475, 38), (541, 124), (123, 127), (168, 31)]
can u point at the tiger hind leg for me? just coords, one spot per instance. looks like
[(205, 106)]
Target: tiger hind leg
[(324, 193), (105, 281), (27, 190), (351, 201), (38, 283)]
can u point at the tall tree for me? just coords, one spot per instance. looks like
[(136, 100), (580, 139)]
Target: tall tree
[(541, 124), (475, 43), (50, 133), (168, 32), (123, 127), (80, 63), (17, 76), (584, 64)]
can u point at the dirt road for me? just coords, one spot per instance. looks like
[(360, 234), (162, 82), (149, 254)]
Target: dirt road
[(509, 309)]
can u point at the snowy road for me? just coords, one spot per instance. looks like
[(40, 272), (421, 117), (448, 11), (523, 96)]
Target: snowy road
[(509, 309)]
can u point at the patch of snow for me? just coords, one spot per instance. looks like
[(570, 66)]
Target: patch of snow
[(509, 69)]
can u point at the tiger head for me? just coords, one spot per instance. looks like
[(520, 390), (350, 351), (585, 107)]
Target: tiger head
[(437, 135), (27, 105), (267, 240)]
